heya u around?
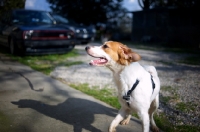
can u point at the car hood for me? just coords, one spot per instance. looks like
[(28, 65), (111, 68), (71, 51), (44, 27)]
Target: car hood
[(75, 26), (42, 27)]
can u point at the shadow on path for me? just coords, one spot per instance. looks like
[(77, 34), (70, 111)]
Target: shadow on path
[(74, 111)]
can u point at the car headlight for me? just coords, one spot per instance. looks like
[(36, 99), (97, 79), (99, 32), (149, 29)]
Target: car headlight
[(93, 30), (77, 31), (27, 34)]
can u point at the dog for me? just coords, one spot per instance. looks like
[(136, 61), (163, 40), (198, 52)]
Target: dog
[(138, 86)]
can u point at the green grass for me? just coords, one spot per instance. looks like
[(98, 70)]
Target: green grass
[(5, 123), (165, 99), (105, 94), (185, 106), (181, 106), (163, 123), (73, 63), (173, 97), (193, 60), (187, 128), (47, 63), (167, 88)]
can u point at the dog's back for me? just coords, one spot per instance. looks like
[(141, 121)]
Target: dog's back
[(151, 70)]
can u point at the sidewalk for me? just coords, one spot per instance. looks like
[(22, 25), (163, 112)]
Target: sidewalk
[(33, 102)]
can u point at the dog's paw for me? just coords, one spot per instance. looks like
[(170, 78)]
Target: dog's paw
[(112, 130), (125, 121), (154, 129)]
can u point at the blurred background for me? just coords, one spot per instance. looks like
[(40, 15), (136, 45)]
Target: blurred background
[(165, 22)]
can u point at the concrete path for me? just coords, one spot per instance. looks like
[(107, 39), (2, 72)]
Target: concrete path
[(33, 102)]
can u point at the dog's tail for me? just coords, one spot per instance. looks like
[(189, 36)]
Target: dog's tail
[(151, 70)]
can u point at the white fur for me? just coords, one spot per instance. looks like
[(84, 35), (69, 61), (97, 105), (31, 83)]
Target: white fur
[(144, 101)]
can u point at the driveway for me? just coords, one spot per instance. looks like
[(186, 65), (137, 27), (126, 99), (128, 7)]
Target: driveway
[(33, 102)]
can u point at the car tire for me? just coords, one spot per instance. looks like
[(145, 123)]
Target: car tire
[(13, 47), (14, 50), (72, 47)]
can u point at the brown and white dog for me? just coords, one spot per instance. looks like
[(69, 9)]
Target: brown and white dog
[(138, 86)]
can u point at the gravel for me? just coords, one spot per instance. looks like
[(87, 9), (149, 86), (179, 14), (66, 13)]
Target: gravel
[(179, 82)]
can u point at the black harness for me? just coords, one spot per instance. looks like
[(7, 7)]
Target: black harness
[(128, 95)]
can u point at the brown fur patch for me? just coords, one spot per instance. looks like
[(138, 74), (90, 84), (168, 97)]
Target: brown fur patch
[(120, 52)]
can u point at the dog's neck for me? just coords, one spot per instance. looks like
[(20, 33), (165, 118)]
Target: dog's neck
[(115, 67), (120, 72)]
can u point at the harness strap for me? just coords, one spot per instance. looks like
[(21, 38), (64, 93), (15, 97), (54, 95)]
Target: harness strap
[(128, 95), (153, 84)]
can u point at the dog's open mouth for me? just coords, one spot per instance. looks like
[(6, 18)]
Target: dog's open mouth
[(98, 62)]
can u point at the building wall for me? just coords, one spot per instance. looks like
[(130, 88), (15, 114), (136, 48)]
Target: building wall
[(172, 26)]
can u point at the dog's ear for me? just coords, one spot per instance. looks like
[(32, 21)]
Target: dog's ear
[(127, 55)]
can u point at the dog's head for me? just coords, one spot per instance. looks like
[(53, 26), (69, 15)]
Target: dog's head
[(111, 53)]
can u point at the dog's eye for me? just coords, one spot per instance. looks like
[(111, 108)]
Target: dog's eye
[(105, 46)]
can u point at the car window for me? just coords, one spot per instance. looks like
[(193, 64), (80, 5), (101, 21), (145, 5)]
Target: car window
[(63, 20), (31, 17), (60, 19)]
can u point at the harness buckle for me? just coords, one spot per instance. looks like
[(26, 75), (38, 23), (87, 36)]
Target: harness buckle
[(127, 98)]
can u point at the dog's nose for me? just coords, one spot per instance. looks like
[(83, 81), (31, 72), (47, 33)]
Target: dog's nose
[(87, 47)]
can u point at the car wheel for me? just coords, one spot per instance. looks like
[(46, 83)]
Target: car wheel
[(72, 47), (12, 47)]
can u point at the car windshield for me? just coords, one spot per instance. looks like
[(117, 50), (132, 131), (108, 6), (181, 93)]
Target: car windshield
[(60, 19), (28, 17)]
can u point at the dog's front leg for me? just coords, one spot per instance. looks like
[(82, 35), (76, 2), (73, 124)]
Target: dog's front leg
[(120, 116), (126, 120)]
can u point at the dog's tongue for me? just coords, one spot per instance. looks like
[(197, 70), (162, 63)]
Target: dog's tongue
[(98, 62)]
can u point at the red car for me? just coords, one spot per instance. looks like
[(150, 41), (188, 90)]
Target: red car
[(34, 32)]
